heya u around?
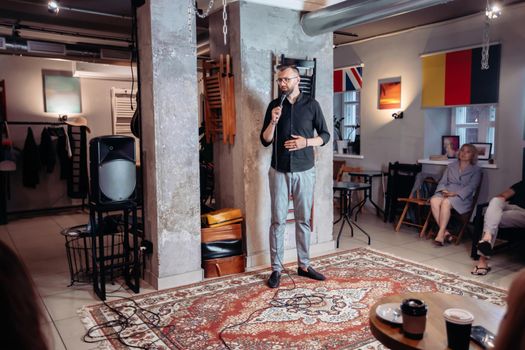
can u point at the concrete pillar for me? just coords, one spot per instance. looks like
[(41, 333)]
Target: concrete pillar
[(256, 32), (170, 142)]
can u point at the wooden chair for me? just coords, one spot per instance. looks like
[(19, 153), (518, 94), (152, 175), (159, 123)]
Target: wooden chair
[(420, 197), (348, 169), (219, 97), (337, 166), (401, 179), (463, 219)]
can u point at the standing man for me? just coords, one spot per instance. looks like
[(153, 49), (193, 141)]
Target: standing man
[(289, 125)]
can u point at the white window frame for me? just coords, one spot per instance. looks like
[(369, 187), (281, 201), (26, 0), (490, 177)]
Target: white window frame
[(483, 125), (350, 120)]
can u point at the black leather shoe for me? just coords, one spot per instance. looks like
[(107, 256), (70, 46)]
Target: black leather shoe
[(311, 273), (274, 280), (485, 248)]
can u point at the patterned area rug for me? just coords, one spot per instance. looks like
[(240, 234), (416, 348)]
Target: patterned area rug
[(191, 317)]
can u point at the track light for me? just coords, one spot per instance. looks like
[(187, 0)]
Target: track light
[(53, 7)]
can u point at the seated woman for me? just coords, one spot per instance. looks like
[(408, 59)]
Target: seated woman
[(455, 190)]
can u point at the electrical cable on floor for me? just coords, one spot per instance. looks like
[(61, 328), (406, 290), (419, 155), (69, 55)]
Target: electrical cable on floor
[(124, 323), (297, 301)]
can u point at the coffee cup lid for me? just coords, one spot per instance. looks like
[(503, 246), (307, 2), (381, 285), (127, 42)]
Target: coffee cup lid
[(458, 316)]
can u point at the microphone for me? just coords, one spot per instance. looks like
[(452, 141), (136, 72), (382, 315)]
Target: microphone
[(284, 95)]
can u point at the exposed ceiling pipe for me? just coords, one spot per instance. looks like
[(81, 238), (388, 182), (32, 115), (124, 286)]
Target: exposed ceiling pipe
[(90, 53), (353, 12), (18, 26)]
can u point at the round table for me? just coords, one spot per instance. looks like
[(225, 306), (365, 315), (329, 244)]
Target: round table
[(485, 314), (346, 208)]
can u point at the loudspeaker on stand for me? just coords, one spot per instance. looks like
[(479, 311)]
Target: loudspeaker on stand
[(112, 169)]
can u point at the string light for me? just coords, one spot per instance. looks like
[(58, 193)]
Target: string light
[(53, 7), (491, 13)]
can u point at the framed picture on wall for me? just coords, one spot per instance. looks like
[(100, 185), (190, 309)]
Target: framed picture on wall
[(484, 150), (450, 145), (389, 93), (61, 93)]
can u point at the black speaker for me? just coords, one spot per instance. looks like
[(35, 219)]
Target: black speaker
[(112, 169)]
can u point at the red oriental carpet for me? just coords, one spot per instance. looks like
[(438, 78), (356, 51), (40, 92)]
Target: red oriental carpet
[(191, 317)]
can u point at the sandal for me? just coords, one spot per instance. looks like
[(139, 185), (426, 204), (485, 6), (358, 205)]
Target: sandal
[(449, 238), (480, 271), (485, 248), (439, 243)]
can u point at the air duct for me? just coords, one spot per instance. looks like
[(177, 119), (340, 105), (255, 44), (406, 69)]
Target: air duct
[(93, 53), (353, 12)]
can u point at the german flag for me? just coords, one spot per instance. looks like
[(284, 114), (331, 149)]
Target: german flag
[(456, 78)]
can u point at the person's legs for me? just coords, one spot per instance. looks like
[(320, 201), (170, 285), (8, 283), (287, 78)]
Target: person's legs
[(303, 193), (435, 205), (499, 214), (279, 208), (492, 219), (444, 217)]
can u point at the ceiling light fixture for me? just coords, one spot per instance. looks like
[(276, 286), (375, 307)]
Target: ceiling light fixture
[(53, 7), (492, 12)]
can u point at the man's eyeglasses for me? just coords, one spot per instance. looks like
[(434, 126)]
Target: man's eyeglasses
[(286, 80)]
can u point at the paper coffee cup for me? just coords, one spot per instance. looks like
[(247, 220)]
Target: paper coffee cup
[(459, 324), (414, 318)]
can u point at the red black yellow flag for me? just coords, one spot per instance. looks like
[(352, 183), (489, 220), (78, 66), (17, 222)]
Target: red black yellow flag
[(456, 78)]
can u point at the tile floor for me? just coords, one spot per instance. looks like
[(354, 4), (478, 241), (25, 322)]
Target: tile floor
[(38, 242)]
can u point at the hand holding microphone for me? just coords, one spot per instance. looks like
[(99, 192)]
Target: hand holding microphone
[(276, 111)]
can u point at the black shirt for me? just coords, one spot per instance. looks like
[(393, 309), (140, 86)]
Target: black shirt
[(519, 194), (300, 118)]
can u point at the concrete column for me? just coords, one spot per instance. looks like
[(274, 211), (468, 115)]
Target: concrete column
[(170, 142), (256, 33)]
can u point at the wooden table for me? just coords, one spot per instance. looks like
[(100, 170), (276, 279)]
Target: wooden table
[(435, 337)]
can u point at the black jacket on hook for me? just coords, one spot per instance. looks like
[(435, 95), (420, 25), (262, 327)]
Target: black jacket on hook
[(47, 150), (30, 161)]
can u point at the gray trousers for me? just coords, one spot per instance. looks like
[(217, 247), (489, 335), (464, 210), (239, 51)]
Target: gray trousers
[(301, 187), (501, 213)]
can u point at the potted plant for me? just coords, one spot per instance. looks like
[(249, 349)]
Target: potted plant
[(338, 135)]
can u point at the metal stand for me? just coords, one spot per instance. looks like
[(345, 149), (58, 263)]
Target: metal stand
[(103, 262), (368, 175), (346, 189)]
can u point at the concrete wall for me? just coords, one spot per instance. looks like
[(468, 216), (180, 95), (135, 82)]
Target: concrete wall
[(242, 169), (407, 140), (25, 102)]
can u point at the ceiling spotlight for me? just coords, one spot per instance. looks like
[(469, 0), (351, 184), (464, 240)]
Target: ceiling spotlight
[(53, 7)]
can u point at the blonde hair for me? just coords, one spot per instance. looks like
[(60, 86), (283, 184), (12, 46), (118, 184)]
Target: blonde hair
[(474, 151)]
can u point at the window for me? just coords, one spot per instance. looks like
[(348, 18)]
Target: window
[(123, 105), (351, 118), (474, 124)]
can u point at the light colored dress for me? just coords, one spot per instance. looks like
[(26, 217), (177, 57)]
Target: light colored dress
[(463, 183)]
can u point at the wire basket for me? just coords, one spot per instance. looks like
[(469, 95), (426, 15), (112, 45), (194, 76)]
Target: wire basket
[(79, 253)]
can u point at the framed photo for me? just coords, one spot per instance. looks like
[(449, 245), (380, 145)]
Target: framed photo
[(389, 93), (61, 93), (484, 150), (450, 145)]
